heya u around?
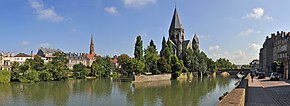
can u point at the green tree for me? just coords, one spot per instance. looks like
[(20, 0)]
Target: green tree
[(60, 69), (29, 76), (163, 66), (5, 76), (202, 63), (79, 70), (151, 58), (138, 52), (45, 75), (98, 67), (176, 66), (15, 71), (38, 63), (276, 66), (137, 66)]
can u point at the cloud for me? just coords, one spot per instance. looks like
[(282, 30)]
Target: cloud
[(24, 43), (138, 3), (45, 45), (45, 13), (254, 46), (111, 10), (249, 32), (258, 14), (213, 48), (204, 36)]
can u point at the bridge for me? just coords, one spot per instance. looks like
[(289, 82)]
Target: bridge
[(234, 71)]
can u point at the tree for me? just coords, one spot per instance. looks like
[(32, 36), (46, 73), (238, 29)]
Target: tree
[(5, 76), (163, 66), (176, 66), (15, 71), (79, 70), (151, 58), (99, 67), (137, 66), (126, 64), (38, 63), (59, 63), (164, 48), (138, 52), (276, 66), (202, 63)]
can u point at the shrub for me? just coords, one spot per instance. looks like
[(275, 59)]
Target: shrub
[(5, 76)]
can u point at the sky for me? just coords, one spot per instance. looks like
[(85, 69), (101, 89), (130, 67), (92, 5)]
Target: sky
[(233, 29)]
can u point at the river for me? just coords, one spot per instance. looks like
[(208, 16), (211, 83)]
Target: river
[(107, 92)]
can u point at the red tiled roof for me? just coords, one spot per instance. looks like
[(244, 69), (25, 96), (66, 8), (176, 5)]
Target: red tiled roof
[(90, 56)]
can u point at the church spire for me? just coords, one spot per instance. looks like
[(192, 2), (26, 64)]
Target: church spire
[(92, 46), (175, 23)]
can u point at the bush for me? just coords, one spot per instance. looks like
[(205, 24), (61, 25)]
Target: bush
[(30, 76), (45, 76), (5, 76)]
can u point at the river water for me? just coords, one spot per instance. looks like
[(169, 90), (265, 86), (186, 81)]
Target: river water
[(107, 92)]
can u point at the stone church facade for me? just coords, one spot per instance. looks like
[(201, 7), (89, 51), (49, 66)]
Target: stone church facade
[(176, 36)]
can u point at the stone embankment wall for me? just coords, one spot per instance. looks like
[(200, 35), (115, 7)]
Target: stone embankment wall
[(151, 78), (238, 95)]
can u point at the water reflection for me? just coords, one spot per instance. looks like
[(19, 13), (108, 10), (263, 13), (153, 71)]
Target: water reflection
[(197, 91)]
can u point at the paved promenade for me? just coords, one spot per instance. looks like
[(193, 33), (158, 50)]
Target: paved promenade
[(263, 92)]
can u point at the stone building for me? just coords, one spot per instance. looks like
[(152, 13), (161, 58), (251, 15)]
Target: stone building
[(7, 59), (275, 48), (176, 35), (47, 53), (84, 58)]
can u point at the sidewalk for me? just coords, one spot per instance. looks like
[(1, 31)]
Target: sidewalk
[(258, 96)]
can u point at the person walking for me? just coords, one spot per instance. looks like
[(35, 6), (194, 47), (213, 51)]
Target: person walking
[(252, 75)]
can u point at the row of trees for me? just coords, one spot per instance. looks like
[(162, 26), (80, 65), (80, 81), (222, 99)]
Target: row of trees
[(148, 60)]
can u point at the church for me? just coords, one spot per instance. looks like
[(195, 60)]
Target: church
[(176, 36)]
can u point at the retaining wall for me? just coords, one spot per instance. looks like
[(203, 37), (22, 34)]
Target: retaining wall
[(238, 95), (151, 78)]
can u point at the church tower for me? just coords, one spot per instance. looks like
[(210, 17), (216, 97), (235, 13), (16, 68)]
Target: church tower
[(92, 46), (195, 43), (176, 33)]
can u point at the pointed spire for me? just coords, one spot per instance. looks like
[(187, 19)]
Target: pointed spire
[(92, 45), (175, 23)]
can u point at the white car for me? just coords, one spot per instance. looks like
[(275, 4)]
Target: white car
[(274, 76)]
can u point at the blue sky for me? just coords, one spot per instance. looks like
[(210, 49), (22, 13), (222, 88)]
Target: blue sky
[(234, 29)]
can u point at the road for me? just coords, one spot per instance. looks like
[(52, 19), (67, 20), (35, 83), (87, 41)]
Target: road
[(263, 92)]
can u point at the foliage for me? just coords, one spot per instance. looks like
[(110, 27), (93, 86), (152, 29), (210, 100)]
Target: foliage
[(79, 70), (176, 66), (276, 66), (102, 66), (45, 75), (29, 76), (5, 76), (245, 66), (163, 66), (224, 64), (59, 66), (151, 58), (137, 66), (15, 71), (138, 52)]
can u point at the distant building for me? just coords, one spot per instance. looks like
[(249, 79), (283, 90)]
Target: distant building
[(7, 59), (275, 48), (254, 65), (21, 58), (176, 36), (85, 58), (47, 53)]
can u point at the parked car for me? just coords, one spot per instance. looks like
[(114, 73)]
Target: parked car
[(261, 75), (274, 76)]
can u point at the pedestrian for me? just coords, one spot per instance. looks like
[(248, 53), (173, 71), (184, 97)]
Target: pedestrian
[(252, 76)]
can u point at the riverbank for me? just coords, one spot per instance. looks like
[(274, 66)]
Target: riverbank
[(162, 77), (237, 96)]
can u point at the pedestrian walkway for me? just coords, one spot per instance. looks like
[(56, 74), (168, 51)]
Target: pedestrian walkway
[(258, 96)]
